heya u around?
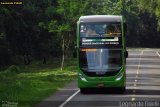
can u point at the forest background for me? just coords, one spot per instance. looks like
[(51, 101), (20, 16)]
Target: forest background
[(45, 29)]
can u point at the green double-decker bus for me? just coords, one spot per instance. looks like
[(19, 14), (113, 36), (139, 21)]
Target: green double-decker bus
[(101, 52)]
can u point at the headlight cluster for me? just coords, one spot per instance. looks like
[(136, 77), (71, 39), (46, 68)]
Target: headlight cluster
[(81, 77), (120, 76)]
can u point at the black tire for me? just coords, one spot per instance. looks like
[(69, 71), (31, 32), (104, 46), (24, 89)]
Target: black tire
[(122, 89), (83, 90)]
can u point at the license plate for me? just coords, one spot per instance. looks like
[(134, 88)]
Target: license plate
[(100, 85)]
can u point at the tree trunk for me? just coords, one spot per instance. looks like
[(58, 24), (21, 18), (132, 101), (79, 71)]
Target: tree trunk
[(27, 59), (62, 63), (44, 60)]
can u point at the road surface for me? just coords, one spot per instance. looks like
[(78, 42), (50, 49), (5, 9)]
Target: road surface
[(142, 87)]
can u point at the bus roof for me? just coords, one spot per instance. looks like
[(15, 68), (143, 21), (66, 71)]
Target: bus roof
[(101, 18)]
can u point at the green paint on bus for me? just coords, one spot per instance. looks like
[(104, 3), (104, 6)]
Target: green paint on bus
[(101, 52)]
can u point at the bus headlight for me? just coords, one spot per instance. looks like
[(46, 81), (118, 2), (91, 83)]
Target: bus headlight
[(119, 76), (81, 77)]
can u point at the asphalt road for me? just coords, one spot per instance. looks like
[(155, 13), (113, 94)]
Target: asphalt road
[(142, 87)]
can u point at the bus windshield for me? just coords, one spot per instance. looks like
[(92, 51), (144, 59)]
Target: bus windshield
[(100, 60), (100, 29)]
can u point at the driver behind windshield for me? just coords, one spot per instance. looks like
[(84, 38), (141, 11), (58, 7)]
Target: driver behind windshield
[(91, 31)]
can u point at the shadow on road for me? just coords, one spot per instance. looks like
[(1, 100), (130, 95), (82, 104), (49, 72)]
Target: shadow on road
[(116, 91), (104, 91)]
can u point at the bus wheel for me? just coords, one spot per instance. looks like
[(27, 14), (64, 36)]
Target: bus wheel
[(122, 89), (83, 90)]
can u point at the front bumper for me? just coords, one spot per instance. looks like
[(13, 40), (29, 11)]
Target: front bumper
[(118, 80)]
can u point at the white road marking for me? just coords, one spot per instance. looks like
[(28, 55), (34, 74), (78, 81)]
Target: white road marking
[(64, 103), (139, 61), (135, 83), (137, 72), (158, 53), (138, 67), (133, 99)]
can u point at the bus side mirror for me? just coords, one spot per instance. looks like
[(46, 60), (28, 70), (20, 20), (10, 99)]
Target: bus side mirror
[(126, 54), (75, 52)]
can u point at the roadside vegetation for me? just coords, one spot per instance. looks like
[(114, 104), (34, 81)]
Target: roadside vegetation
[(30, 84), (47, 28)]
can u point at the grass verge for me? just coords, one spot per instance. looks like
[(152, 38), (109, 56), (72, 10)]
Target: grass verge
[(28, 85)]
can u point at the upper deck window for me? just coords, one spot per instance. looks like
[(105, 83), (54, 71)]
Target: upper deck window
[(100, 29)]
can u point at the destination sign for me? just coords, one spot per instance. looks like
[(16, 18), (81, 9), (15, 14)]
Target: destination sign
[(100, 41)]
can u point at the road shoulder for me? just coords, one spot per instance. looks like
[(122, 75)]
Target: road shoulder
[(60, 96)]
